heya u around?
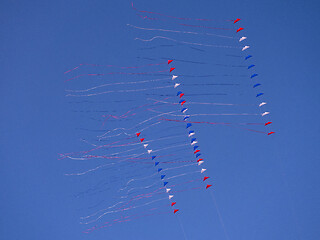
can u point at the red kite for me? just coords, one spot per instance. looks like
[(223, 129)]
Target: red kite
[(138, 134), (237, 20), (171, 69), (170, 61), (205, 178), (270, 133), (176, 210), (141, 139), (173, 203), (267, 123), (239, 29), (208, 186)]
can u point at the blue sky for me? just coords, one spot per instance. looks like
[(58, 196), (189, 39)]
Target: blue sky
[(265, 187)]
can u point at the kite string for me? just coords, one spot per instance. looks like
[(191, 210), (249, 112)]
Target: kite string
[(177, 31), (109, 66), (219, 214), (184, 42), (182, 228)]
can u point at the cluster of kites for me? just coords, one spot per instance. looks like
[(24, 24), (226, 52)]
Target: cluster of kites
[(144, 150)]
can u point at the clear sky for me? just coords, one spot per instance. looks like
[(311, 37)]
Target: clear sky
[(266, 187)]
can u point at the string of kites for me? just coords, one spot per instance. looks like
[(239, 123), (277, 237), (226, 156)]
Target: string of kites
[(182, 102), (191, 133)]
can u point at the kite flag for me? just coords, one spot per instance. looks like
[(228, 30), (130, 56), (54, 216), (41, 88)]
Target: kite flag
[(194, 142), (240, 29), (182, 102), (237, 20), (184, 110), (245, 48), (191, 133), (174, 77), (261, 104)]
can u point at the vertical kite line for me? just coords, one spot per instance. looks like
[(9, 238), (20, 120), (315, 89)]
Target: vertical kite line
[(220, 217), (182, 228)]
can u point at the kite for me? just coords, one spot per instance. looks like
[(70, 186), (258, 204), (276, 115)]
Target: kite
[(144, 116)]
